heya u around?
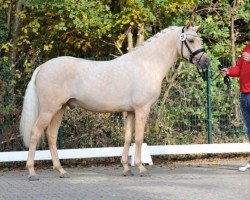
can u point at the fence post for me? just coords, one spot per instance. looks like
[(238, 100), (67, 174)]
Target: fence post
[(209, 107), (60, 142)]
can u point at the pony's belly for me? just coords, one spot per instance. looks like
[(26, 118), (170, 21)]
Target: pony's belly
[(99, 106)]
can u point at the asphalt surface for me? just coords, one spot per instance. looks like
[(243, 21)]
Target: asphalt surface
[(181, 181)]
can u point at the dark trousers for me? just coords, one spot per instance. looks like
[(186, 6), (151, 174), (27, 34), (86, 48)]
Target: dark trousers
[(245, 109)]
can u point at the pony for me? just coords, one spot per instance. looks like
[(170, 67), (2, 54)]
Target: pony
[(130, 83)]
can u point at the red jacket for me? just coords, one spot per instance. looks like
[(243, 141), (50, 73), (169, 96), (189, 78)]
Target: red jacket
[(242, 70)]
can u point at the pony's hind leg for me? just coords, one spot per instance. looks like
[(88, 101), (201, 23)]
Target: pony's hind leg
[(52, 132), (42, 122), (129, 130)]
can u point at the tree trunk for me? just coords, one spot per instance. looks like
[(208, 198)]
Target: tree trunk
[(233, 54), (9, 16), (3, 86), (129, 48), (233, 36), (130, 39), (15, 32), (140, 36)]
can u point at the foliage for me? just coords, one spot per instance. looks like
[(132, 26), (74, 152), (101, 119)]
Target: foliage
[(88, 28)]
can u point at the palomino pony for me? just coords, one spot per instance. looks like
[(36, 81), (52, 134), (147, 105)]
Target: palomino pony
[(130, 83)]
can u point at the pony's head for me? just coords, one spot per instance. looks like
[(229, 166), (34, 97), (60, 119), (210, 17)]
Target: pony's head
[(189, 47)]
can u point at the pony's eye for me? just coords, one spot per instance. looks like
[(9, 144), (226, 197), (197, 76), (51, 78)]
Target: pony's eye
[(191, 41)]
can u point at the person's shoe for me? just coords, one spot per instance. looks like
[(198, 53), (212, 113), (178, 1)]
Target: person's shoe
[(243, 169)]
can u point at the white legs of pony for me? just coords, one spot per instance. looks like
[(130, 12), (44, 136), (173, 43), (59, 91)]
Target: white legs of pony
[(129, 131), (52, 132), (34, 122), (35, 119), (141, 116), (135, 122), (51, 120)]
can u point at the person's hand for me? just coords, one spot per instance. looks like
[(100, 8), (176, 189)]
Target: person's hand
[(224, 71), (246, 56)]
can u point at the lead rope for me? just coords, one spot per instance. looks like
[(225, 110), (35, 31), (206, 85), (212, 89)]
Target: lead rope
[(227, 81), (202, 73)]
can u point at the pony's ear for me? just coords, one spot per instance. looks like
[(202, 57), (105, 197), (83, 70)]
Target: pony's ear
[(197, 28), (188, 25)]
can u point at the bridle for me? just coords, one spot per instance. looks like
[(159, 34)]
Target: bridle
[(183, 37)]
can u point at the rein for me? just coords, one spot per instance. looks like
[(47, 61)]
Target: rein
[(227, 81)]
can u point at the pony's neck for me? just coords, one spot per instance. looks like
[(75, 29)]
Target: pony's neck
[(159, 55)]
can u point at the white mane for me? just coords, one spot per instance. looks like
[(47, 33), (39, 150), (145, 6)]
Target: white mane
[(159, 34)]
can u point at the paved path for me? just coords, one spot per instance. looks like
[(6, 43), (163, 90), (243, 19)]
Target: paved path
[(182, 182)]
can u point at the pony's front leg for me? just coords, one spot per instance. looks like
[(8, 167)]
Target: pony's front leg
[(129, 130), (140, 121)]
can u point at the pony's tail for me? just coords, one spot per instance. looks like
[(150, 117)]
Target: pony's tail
[(30, 110)]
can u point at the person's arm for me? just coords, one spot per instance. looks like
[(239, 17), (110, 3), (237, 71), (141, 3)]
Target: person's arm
[(233, 71)]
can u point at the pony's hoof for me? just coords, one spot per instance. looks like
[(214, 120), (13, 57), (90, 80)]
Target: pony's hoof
[(128, 173), (145, 174), (33, 178), (64, 175)]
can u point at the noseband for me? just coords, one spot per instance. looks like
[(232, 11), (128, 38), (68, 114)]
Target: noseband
[(192, 55)]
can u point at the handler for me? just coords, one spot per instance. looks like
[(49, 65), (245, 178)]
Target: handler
[(242, 70)]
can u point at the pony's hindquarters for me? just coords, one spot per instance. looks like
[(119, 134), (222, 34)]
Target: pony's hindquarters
[(30, 109)]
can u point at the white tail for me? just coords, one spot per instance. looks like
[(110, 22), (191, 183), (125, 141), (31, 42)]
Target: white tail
[(30, 109)]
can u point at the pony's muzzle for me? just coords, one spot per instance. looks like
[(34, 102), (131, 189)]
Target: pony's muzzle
[(204, 62)]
